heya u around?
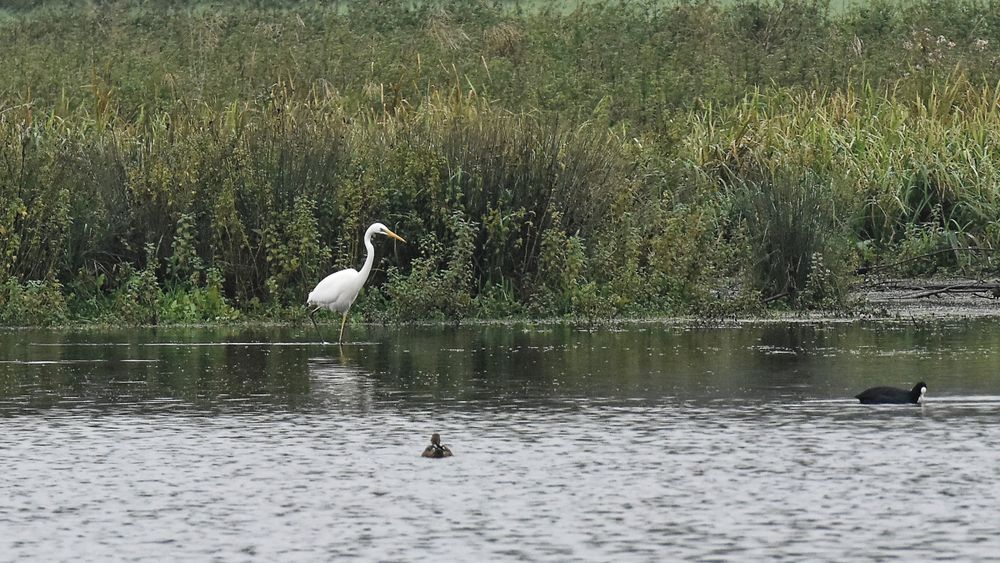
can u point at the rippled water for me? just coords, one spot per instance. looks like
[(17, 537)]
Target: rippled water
[(652, 442)]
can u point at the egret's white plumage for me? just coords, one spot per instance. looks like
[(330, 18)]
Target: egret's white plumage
[(338, 291)]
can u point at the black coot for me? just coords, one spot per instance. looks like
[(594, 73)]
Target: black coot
[(892, 395)]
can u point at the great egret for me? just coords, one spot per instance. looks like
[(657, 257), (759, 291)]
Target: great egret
[(436, 449), (883, 395), (338, 291)]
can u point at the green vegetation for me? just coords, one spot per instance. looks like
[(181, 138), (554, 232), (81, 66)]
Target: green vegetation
[(183, 163)]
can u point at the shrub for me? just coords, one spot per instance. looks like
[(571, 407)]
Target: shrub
[(438, 286), (34, 303), (137, 301)]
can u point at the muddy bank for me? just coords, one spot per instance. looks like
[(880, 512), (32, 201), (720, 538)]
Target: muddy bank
[(929, 298)]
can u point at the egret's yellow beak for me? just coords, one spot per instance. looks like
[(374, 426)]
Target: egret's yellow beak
[(389, 233)]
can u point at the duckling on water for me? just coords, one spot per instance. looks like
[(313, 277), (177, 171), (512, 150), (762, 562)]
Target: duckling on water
[(436, 449)]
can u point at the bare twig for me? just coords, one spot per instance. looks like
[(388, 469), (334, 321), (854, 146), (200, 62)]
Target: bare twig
[(990, 290), (863, 270), (776, 297)]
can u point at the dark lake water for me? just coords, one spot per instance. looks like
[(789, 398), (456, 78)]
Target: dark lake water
[(645, 442)]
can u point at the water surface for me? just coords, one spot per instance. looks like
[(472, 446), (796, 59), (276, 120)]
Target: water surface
[(647, 442)]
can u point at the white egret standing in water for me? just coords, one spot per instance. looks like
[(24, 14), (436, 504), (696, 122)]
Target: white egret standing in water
[(338, 291)]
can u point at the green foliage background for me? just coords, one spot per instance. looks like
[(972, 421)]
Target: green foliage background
[(175, 162)]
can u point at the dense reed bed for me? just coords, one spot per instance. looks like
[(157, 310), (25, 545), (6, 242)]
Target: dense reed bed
[(178, 162)]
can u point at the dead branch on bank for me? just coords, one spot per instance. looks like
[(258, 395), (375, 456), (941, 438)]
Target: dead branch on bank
[(988, 290), (929, 288), (865, 270)]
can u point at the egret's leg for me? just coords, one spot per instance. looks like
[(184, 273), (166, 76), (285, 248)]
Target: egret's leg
[(342, 323), (312, 317)]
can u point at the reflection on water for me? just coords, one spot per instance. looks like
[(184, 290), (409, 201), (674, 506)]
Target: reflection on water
[(646, 443)]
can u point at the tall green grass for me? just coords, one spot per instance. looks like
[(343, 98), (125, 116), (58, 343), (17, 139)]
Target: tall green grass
[(204, 163)]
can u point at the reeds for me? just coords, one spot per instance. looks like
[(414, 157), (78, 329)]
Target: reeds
[(152, 179)]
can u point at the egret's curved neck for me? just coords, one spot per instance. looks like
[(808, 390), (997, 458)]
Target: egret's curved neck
[(370, 258)]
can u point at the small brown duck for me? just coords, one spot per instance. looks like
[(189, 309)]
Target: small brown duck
[(436, 449)]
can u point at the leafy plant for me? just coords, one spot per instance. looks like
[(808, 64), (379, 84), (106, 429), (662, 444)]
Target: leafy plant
[(439, 284), (35, 303)]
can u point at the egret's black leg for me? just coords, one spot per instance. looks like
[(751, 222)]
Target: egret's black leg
[(312, 317)]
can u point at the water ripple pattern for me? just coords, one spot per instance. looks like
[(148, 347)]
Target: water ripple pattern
[(649, 444)]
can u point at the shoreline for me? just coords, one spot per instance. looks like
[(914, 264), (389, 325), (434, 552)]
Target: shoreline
[(925, 299), (889, 300)]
